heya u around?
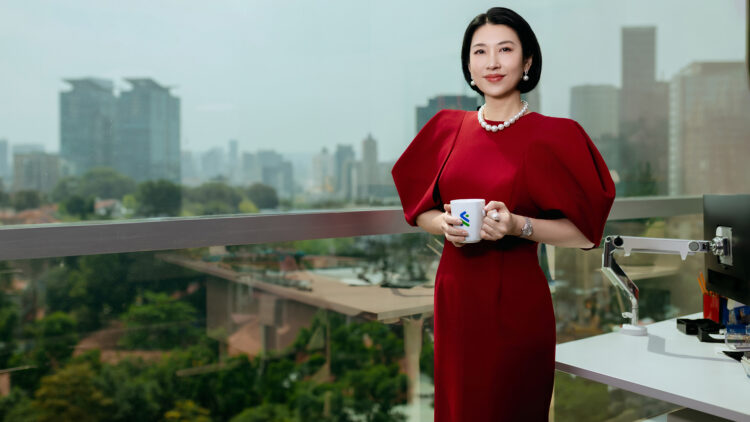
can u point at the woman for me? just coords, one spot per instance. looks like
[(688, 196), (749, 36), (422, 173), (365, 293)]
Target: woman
[(543, 181)]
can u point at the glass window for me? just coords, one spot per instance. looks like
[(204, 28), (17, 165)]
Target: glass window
[(115, 112)]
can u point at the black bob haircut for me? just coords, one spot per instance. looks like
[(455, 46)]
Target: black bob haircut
[(529, 44)]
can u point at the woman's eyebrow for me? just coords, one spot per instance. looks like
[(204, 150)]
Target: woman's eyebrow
[(481, 44)]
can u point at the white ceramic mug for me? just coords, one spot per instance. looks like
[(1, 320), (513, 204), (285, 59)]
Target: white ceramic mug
[(470, 212)]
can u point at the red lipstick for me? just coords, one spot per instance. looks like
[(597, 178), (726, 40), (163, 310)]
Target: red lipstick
[(494, 77)]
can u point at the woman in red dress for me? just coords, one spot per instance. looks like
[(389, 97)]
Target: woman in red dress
[(543, 180)]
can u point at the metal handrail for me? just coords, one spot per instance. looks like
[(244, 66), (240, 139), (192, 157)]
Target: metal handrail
[(90, 238)]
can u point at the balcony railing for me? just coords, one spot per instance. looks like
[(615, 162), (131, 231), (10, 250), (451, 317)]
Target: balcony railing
[(44, 241)]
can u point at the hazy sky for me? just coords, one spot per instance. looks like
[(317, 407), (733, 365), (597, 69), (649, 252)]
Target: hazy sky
[(297, 75)]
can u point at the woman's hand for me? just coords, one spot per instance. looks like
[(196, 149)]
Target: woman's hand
[(452, 234), (498, 222)]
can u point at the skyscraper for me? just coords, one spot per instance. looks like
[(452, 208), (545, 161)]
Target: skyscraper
[(148, 135), (596, 108), (644, 114), (27, 148), (323, 173), (189, 169), (213, 164), (708, 126), (276, 172), (88, 124), (37, 171), (638, 70), (368, 179), (251, 170), (455, 102), (342, 165)]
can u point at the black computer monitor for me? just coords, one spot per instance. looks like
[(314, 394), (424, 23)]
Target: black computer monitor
[(732, 281)]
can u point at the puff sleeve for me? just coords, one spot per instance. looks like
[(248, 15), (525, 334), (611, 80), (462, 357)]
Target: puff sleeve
[(567, 177), (416, 171)]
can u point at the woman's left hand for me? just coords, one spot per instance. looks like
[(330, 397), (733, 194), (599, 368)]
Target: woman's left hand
[(498, 222)]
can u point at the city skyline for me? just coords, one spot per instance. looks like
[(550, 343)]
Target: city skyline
[(241, 79)]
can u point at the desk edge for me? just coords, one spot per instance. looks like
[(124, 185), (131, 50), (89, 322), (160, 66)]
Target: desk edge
[(651, 392)]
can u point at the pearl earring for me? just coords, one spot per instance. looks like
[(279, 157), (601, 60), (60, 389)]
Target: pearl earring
[(525, 75), (472, 83)]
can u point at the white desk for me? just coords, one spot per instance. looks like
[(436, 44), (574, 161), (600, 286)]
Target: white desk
[(667, 365)]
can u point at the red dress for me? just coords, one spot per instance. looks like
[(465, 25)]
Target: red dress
[(494, 321)]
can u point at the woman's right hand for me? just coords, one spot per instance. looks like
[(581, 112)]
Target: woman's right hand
[(452, 234)]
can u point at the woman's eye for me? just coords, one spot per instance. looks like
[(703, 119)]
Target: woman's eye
[(479, 52), (506, 49)]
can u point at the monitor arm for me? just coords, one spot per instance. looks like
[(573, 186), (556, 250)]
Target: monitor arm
[(721, 245)]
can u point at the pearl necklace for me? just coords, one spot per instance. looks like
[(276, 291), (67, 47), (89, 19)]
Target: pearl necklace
[(490, 128)]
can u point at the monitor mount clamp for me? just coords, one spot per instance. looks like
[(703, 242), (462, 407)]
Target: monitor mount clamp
[(721, 246)]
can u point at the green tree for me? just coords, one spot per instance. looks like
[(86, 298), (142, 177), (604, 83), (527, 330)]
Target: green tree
[(55, 338), (247, 207), (216, 208), (376, 390), (173, 386), (16, 407), (78, 206), (215, 198), (234, 388), (187, 411), (350, 352), (26, 199), (71, 394), (267, 412), (8, 322), (160, 198), (263, 196), (135, 396), (9, 316), (95, 287), (4, 198), (129, 202), (65, 188), (105, 183), (160, 323), (275, 384)]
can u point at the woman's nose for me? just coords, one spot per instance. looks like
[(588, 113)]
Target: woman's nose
[(494, 61)]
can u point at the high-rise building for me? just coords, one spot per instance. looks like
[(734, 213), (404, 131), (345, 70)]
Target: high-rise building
[(251, 169), (368, 178), (342, 159), (386, 188), (189, 169), (88, 124), (37, 171), (213, 164), (4, 164), (148, 134), (644, 114), (708, 127), (596, 108), (27, 148), (322, 173), (455, 102), (638, 69), (276, 172)]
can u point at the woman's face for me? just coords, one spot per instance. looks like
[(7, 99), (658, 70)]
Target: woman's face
[(496, 60)]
